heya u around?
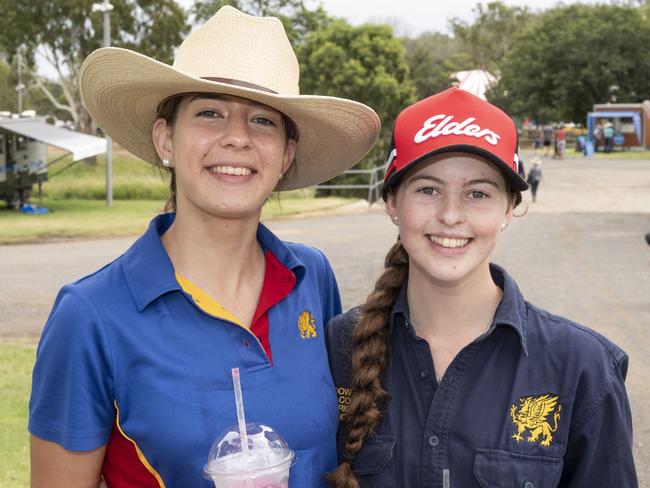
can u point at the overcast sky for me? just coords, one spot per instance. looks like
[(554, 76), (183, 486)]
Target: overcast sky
[(412, 17), (409, 17)]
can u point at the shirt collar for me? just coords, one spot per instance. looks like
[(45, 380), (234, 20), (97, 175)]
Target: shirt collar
[(511, 311), (149, 272)]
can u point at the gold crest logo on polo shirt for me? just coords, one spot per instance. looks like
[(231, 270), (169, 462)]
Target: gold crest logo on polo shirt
[(535, 414), (307, 325)]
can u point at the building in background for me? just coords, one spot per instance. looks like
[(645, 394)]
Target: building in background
[(631, 122)]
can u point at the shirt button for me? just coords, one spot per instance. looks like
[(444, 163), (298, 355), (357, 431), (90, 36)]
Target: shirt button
[(248, 344), (529, 484), (424, 374), (434, 441)]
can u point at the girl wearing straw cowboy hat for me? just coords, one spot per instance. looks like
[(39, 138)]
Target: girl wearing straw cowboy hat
[(449, 377), (132, 376)]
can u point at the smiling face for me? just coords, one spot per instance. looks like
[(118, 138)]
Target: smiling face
[(450, 210), (228, 154)]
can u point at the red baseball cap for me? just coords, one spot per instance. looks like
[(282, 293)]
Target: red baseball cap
[(453, 121)]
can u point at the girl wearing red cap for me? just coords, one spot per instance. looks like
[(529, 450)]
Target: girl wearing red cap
[(446, 376)]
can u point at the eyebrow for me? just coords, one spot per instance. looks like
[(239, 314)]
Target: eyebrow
[(225, 98), (441, 182), (483, 180), (206, 96), (426, 178)]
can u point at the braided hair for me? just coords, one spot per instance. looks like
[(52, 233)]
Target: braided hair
[(369, 360)]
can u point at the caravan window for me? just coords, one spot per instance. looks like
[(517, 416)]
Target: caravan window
[(21, 143)]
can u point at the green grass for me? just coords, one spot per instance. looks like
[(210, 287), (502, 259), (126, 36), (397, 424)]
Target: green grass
[(16, 363), (133, 179), (92, 218), (76, 219)]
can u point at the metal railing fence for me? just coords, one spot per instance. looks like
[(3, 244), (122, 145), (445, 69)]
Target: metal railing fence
[(373, 186)]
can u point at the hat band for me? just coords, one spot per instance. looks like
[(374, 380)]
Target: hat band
[(243, 84)]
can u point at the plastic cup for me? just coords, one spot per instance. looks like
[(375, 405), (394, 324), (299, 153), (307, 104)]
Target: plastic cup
[(266, 465)]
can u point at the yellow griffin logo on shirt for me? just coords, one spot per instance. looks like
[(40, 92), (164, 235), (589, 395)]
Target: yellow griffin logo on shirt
[(533, 414), (307, 325)]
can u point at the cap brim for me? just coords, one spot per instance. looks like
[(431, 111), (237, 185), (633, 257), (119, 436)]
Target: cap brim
[(516, 182), (121, 90)]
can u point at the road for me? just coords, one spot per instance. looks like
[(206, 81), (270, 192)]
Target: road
[(578, 252)]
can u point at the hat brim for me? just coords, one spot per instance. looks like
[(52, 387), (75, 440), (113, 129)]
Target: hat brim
[(121, 89), (515, 182)]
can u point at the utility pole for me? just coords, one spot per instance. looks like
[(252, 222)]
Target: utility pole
[(106, 8), (20, 88)]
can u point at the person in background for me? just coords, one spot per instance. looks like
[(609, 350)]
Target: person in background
[(596, 135), (537, 142), (608, 134), (132, 379), (560, 142), (447, 376), (547, 137), (535, 177)]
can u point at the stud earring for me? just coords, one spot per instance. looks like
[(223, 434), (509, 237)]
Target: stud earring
[(281, 175), (395, 218), (504, 226), (167, 163)]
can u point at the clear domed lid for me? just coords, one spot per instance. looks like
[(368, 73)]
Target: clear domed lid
[(267, 450)]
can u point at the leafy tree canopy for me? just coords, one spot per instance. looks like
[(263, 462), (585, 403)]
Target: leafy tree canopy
[(298, 19), (576, 56), (64, 32), (366, 64), (492, 33), (432, 57)]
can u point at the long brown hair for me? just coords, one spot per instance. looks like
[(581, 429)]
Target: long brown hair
[(369, 361)]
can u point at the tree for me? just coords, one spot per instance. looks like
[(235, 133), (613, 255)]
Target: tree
[(432, 57), (366, 64), (64, 32), (8, 95), (492, 34), (297, 18), (576, 56)]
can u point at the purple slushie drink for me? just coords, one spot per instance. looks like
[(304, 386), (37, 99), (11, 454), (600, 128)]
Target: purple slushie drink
[(266, 465)]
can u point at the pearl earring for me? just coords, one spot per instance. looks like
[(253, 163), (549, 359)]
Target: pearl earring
[(167, 163), (504, 226), (395, 218), (281, 175)]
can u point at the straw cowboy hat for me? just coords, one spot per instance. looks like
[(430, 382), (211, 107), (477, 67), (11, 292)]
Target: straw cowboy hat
[(233, 54)]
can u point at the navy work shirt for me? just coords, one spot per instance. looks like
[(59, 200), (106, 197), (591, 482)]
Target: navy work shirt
[(537, 401)]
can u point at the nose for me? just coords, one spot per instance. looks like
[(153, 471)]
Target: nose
[(236, 133), (451, 211)]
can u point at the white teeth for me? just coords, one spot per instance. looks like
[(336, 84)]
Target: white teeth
[(231, 170), (446, 242)]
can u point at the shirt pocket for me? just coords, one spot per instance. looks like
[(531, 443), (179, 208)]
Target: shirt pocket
[(374, 465), (502, 469)]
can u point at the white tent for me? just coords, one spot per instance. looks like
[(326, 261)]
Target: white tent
[(475, 81)]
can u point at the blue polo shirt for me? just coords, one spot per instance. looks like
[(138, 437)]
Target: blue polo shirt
[(127, 355), (537, 401)]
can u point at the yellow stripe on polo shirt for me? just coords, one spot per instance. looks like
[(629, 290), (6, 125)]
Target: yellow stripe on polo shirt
[(140, 454), (206, 302)]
